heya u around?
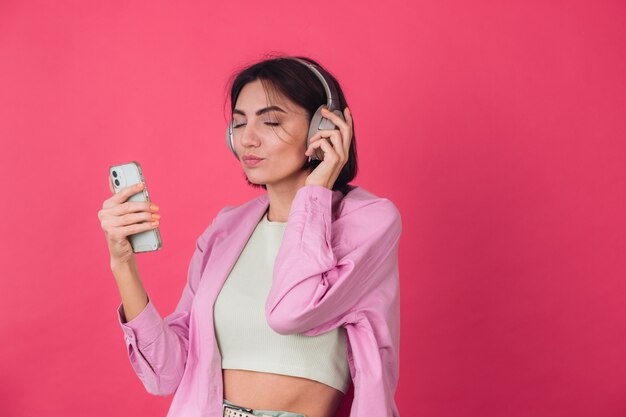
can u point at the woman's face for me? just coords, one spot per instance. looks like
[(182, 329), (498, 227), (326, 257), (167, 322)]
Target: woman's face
[(274, 132)]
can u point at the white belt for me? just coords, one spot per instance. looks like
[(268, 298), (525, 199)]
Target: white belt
[(230, 411)]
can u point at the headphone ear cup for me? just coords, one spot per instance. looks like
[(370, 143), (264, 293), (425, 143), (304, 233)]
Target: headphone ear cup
[(229, 139), (319, 122), (316, 120)]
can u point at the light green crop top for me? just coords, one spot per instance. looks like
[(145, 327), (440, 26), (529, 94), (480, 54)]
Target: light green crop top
[(245, 339)]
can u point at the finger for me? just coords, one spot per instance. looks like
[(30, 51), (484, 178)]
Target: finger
[(131, 218), (111, 184), (133, 207), (315, 144), (310, 151), (337, 121), (348, 115), (117, 209), (132, 229), (329, 152), (344, 127), (336, 141), (325, 134), (349, 120), (336, 138), (127, 192)]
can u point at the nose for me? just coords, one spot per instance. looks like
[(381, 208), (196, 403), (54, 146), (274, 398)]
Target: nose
[(247, 136)]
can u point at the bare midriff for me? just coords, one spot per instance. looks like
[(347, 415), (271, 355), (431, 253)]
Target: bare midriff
[(267, 391)]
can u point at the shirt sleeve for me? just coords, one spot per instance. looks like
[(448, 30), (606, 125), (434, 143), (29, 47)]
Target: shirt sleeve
[(313, 290), (157, 348)]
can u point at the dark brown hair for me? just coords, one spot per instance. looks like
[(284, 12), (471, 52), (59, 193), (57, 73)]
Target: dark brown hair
[(297, 83)]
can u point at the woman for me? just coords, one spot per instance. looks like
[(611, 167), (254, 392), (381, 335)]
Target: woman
[(290, 297)]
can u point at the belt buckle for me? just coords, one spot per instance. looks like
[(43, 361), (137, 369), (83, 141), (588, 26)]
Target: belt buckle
[(236, 408)]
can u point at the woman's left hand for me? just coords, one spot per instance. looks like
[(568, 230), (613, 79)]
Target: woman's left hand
[(335, 155)]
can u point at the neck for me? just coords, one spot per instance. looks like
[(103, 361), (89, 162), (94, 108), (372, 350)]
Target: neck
[(281, 196)]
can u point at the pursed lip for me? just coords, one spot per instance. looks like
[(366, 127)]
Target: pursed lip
[(251, 158)]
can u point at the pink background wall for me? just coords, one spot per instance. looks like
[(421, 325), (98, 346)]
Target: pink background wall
[(497, 129)]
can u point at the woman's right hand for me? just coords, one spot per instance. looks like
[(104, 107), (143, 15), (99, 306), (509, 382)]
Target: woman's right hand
[(120, 218)]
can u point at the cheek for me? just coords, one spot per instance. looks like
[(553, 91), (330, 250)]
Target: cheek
[(290, 145)]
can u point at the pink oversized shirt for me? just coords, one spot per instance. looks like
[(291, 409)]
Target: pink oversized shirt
[(337, 266)]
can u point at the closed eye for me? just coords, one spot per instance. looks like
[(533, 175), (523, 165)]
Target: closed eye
[(267, 123)]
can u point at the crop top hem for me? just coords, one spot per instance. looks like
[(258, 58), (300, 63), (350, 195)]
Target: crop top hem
[(284, 369)]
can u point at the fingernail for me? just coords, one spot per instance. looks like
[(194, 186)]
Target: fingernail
[(140, 186), (324, 110), (153, 207)]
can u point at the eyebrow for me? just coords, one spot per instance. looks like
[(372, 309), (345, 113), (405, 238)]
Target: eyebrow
[(260, 112)]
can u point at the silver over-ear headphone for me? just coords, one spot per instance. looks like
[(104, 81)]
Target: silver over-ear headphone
[(318, 122)]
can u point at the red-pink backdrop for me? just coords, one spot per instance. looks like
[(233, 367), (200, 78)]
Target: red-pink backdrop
[(497, 128)]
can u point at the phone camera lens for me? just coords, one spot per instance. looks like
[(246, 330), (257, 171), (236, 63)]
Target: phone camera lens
[(117, 182), (115, 174)]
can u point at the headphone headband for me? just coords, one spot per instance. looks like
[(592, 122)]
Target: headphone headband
[(332, 100)]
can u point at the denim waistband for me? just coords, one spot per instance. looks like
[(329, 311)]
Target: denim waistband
[(272, 413)]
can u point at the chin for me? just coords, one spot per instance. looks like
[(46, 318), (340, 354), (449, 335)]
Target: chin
[(254, 180), (258, 177)]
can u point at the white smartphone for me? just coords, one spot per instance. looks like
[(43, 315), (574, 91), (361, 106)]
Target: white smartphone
[(125, 175)]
